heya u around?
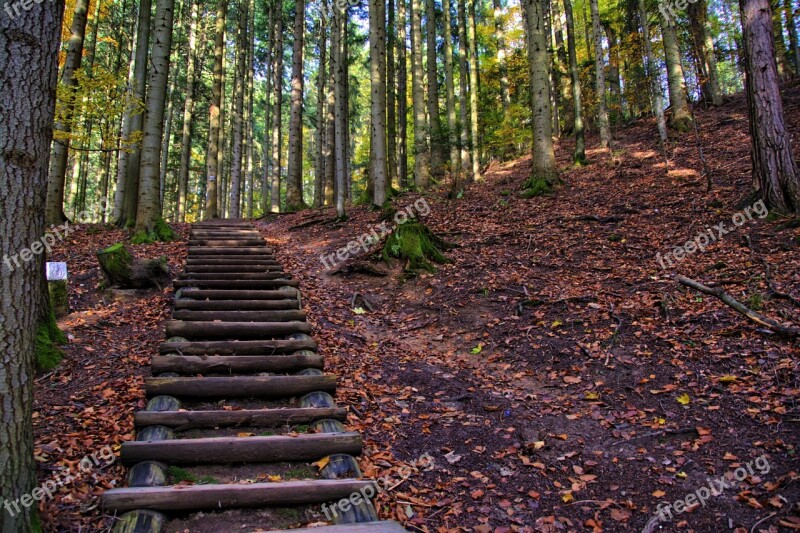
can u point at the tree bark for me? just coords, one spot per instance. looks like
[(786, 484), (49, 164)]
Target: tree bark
[(680, 119), (402, 95), (188, 116), (704, 46), (437, 142), (450, 101), (391, 96), (580, 142), (792, 30), (339, 63), (655, 86), (294, 176), (600, 78), (421, 152), (277, 114), (775, 172), (472, 55), (29, 45), (212, 153), (238, 108), (55, 187), (149, 208), (463, 82), (319, 134), (377, 47), (500, 36)]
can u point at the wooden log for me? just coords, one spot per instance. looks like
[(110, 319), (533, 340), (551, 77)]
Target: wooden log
[(229, 284), (216, 260), (163, 403), (259, 347), (235, 275), (122, 270), (383, 526), (205, 242), (192, 364), (217, 294), (184, 304), (154, 433), (241, 316), (224, 250), (343, 466), (309, 371), (235, 330), (240, 386), (317, 399), (141, 521), (225, 496), (230, 450), (181, 420), (198, 269), (147, 474), (327, 426)]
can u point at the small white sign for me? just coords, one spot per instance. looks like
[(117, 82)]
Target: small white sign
[(56, 271)]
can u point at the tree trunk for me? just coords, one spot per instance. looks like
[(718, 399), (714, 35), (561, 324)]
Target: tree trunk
[(277, 114), (472, 55), (58, 173), (339, 61), (600, 78), (437, 141), (319, 134), (499, 28), (149, 209), (330, 137), (267, 144), (391, 96), (544, 162), (377, 47), (680, 119), (449, 82), (775, 172), (402, 95), (580, 142), (781, 52), (614, 83), (250, 108), (655, 85), (212, 153), (463, 99), (28, 75), (704, 46), (294, 175), (238, 111), (421, 152), (188, 116), (792, 30)]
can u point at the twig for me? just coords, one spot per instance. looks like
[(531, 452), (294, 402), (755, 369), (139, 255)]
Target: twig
[(752, 529), (659, 433), (651, 524), (730, 301), (776, 292)]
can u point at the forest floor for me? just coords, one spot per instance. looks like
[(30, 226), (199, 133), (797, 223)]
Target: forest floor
[(559, 377)]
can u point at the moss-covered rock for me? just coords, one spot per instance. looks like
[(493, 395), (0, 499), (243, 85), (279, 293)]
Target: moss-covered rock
[(416, 245)]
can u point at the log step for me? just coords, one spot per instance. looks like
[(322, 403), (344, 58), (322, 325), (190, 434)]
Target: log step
[(234, 275), (201, 294), (384, 526), (193, 364), (230, 450), (222, 250), (240, 316), (225, 242), (237, 348), (221, 496), (247, 284), (237, 330), (235, 305), (239, 386), (197, 269), (266, 259), (244, 417)]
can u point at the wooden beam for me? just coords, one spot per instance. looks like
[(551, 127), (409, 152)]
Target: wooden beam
[(238, 330), (222, 250), (239, 386), (383, 526), (253, 284), (246, 417), (284, 315), (220, 294), (208, 241), (184, 304), (258, 347), (196, 269), (192, 364), (234, 275)]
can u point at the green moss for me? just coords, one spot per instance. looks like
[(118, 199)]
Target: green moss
[(116, 261), (417, 245), (178, 475), (161, 232), (48, 337), (536, 187), (755, 302), (58, 296), (300, 472), (288, 512)]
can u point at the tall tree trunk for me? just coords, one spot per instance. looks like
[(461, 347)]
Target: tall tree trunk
[(600, 78), (149, 209), (377, 48), (238, 110), (421, 153), (217, 82), (775, 172), (294, 175), (391, 95), (704, 47), (474, 61), (437, 141), (614, 83), (650, 72), (250, 110), (680, 119), (450, 100), (55, 187), (224, 155), (463, 98), (188, 115), (339, 62), (28, 75), (128, 188), (330, 137), (277, 114), (500, 36), (792, 30), (580, 142), (781, 52), (267, 143), (319, 134), (169, 118), (544, 162), (402, 95)]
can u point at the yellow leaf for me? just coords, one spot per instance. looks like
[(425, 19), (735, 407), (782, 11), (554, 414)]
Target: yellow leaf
[(556, 323), (245, 434), (322, 463), (681, 475), (591, 396), (568, 497), (659, 494), (684, 399), (728, 378), (274, 479)]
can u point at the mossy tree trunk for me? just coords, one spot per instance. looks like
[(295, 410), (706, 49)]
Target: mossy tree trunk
[(122, 270)]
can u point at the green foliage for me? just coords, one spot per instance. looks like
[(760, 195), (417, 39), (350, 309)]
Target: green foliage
[(755, 301), (161, 232), (417, 245)]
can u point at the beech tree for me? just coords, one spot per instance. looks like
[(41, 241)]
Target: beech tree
[(422, 174), (294, 176), (377, 47), (212, 149)]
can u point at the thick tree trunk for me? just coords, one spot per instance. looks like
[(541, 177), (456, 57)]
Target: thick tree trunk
[(212, 152), (58, 173), (294, 176), (775, 172), (680, 119), (277, 114), (341, 114), (29, 45), (238, 111), (377, 47), (792, 30), (450, 103), (330, 139), (391, 96), (422, 175), (544, 162), (267, 144), (600, 78), (437, 141), (580, 142), (402, 95), (704, 47), (319, 134), (655, 86), (463, 98), (149, 209), (472, 41), (188, 116), (250, 108)]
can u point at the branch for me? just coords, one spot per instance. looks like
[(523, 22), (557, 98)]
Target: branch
[(729, 300), (62, 143)]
